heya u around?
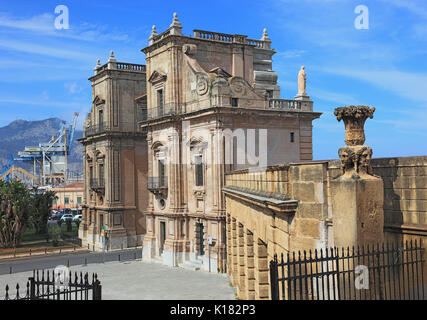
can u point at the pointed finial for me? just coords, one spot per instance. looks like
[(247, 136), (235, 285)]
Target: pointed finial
[(265, 36), (98, 64), (176, 26), (152, 35), (112, 57), (154, 31), (266, 39)]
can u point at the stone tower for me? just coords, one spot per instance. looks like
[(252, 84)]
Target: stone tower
[(115, 162)]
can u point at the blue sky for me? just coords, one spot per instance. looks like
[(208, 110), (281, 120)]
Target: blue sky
[(44, 70)]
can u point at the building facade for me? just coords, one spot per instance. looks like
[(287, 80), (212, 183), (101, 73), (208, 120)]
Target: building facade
[(213, 105), (69, 196), (115, 162)]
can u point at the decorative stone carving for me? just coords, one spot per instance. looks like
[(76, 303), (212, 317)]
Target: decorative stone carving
[(202, 85), (189, 49), (355, 157), (238, 86), (354, 118)]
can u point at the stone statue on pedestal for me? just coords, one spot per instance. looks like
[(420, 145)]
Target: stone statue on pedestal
[(302, 81)]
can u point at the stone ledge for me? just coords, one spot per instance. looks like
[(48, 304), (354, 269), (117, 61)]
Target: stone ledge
[(274, 201)]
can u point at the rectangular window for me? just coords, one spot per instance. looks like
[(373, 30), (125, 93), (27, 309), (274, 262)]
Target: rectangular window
[(292, 137), (101, 119), (270, 94), (160, 102), (66, 200), (79, 200), (199, 171), (101, 175), (161, 168), (234, 102)]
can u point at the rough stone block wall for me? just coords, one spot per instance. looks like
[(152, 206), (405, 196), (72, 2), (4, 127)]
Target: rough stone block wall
[(405, 190)]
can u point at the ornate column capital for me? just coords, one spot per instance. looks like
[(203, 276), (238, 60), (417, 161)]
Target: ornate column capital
[(355, 157)]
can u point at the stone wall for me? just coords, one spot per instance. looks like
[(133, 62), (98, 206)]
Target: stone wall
[(289, 208)]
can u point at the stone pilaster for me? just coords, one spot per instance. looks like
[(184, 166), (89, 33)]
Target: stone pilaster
[(262, 286), (241, 261), (250, 266)]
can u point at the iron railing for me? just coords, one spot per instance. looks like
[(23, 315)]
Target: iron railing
[(167, 109), (98, 183), (106, 127), (386, 272), (157, 183), (51, 286)]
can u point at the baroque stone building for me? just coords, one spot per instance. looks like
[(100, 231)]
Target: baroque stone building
[(160, 139), (115, 161), (213, 105)]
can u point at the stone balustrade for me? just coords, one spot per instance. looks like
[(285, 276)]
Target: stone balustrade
[(123, 66), (284, 104), (232, 38)]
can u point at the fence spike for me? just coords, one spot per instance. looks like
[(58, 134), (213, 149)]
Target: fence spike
[(7, 292), (28, 289)]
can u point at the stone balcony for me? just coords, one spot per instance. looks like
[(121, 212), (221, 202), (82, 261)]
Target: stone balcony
[(121, 66), (106, 127), (173, 109)]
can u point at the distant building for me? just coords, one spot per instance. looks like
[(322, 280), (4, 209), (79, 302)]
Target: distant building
[(68, 196)]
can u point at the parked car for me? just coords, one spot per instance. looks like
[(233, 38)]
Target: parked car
[(55, 217), (77, 217), (76, 211), (67, 216)]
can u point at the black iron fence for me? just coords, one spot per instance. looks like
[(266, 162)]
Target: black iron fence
[(50, 286), (373, 272)]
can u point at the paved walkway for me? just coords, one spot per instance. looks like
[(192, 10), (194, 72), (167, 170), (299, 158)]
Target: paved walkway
[(138, 280)]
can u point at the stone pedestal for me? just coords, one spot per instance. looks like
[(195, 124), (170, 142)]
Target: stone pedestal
[(358, 211), (357, 195)]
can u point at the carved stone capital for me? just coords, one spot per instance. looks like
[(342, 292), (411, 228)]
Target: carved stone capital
[(354, 118)]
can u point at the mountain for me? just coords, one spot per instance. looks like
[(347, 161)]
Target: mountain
[(21, 133)]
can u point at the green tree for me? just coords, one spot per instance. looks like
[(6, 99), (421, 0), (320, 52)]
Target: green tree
[(42, 206), (15, 209)]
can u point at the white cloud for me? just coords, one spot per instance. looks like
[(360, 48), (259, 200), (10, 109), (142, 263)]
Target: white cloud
[(44, 25), (73, 87), (409, 85), (41, 23), (336, 97), (45, 50)]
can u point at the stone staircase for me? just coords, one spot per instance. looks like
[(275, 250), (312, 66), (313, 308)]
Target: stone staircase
[(194, 265)]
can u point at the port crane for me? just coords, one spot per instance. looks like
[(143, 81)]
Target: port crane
[(49, 160)]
